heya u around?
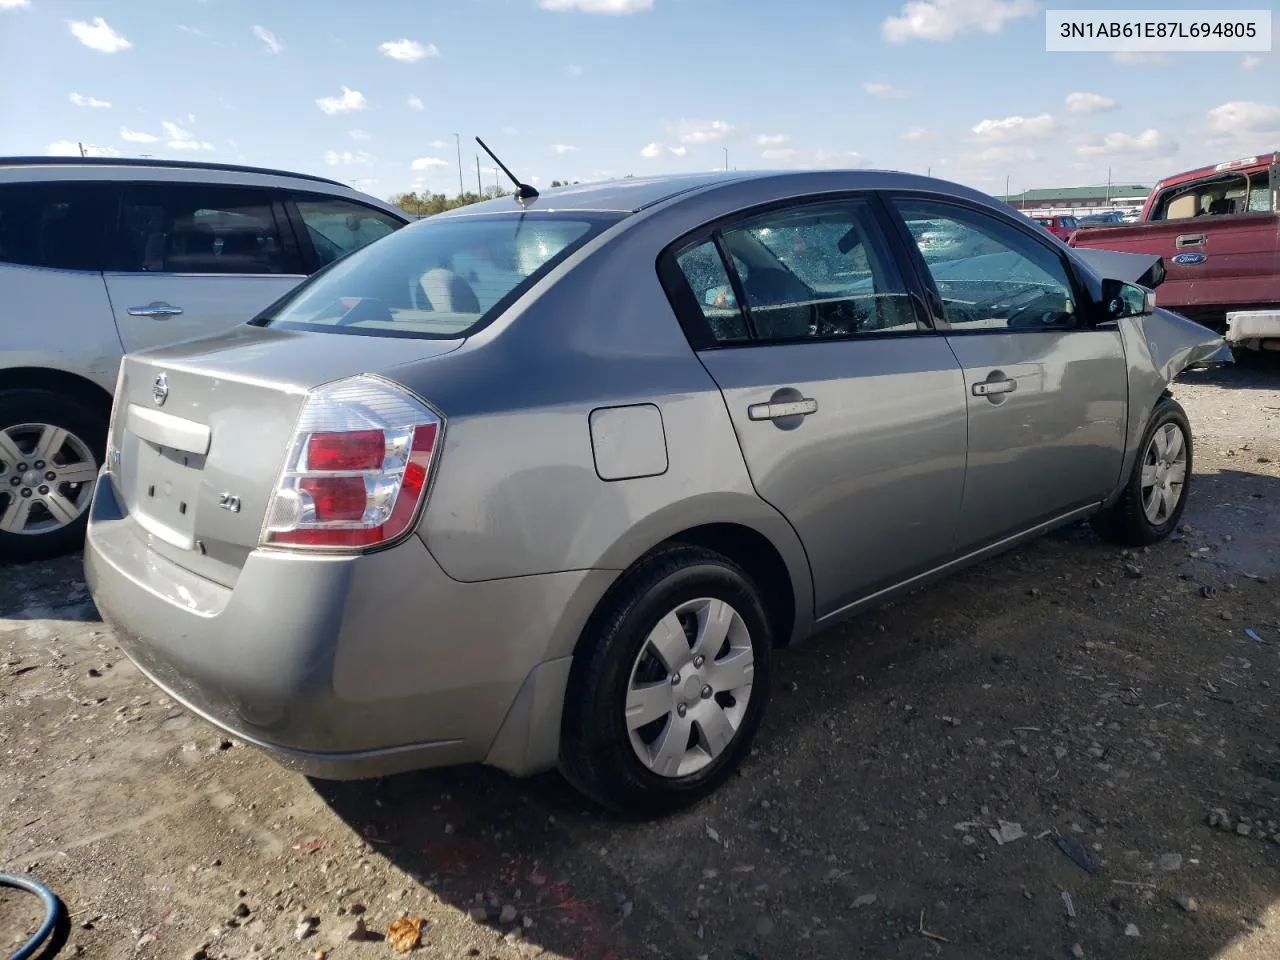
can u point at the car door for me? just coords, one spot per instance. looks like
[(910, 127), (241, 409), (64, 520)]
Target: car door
[(1046, 390), (195, 259), (848, 408)]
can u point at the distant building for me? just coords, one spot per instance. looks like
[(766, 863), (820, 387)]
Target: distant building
[(1080, 197)]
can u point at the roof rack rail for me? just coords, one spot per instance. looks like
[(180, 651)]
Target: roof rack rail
[(171, 164)]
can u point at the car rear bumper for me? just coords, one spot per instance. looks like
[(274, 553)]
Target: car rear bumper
[(1254, 327), (347, 666)]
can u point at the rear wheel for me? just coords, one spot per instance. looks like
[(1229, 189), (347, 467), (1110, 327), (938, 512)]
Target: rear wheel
[(1156, 493), (668, 691), (50, 450)]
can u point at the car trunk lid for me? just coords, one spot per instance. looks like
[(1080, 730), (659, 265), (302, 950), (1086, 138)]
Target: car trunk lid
[(200, 432)]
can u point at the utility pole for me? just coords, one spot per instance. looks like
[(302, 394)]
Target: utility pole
[(1108, 186), (81, 146), (1006, 189), (458, 143), (479, 189), (726, 158)]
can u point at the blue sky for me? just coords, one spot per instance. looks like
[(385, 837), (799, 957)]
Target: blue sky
[(373, 93)]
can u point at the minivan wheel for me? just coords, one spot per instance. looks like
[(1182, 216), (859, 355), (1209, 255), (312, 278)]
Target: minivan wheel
[(50, 450), (1156, 493), (669, 685)]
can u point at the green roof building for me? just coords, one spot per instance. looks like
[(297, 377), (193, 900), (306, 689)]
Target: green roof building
[(1082, 197)]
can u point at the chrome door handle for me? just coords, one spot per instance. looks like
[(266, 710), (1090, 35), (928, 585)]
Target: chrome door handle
[(1190, 240), (776, 411), (158, 309), (985, 388)]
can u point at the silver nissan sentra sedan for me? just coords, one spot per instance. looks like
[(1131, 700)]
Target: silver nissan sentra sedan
[(544, 484)]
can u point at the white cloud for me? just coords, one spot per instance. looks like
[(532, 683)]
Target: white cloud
[(346, 158), (180, 139), (1251, 62), (408, 51), (679, 151), (416, 103), (1245, 118), (426, 163), (813, 159), (574, 70), (771, 139), (700, 131), (886, 90), (69, 148), (194, 31), (438, 144), (15, 5), (81, 101), (270, 39), (1141, 58), (99, 36), (652, 151), (1148, 143), (137, 136), (350, 100), (1089, 103), (778, 154), (919, 135), (563, 148), (1011, 129), (616, 7), (359, 135), (947, 19)]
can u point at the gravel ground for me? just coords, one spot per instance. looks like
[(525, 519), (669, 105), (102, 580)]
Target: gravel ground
[(1069, 751)]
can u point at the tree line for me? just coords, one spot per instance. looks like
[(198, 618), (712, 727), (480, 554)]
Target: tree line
[(429, 204)]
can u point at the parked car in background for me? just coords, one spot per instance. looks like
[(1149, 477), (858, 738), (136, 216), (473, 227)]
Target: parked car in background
[(1060, 226), (563, 514), (1218, 231), (99, 257), (1098, 219)]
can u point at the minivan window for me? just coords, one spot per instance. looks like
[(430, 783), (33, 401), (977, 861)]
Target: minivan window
[(336, 226), (438, 278), (56, 225)]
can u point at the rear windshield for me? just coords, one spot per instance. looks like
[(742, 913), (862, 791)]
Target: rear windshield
[(438, 279)]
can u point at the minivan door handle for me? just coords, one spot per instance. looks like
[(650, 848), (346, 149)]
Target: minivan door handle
[(1189, 240), (158, 310), (777, 411), (985, 388)]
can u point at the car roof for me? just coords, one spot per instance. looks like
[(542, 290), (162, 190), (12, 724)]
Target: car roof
[(117, 162), (633, 194)]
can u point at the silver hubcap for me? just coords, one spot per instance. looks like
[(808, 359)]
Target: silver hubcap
[(1164, 473), (47, 476), (689, 687)]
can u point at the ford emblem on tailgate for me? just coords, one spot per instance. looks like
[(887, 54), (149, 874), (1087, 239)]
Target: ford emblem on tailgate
[(1190, 258), (160, 389)]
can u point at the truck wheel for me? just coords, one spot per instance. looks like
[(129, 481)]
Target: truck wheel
[(669, 686), (51, 447), (1156, 492)]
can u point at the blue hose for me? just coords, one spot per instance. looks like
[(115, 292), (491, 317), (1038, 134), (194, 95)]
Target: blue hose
[(52, 911)]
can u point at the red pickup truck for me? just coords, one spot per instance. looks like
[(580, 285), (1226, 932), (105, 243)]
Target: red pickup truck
[(1218, 232)]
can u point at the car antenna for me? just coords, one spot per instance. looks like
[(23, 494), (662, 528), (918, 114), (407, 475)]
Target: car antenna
[(525, 194)]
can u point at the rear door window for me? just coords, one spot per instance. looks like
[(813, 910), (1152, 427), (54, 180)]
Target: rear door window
[(337, 227), (55, 225), (203, 229)]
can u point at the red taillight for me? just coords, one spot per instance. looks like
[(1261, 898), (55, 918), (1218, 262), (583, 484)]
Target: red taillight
[(357, 450), (357, 487)]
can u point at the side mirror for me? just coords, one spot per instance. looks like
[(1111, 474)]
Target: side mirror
[(1120, 299)]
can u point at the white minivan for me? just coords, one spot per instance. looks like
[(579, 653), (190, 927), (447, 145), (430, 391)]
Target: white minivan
[(103, 256)]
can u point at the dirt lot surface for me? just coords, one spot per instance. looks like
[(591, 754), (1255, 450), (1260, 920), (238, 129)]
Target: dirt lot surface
[(1111, 717)]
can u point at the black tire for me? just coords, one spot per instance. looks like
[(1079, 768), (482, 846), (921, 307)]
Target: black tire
[(87, 424), (1126, 522), (596, 753)]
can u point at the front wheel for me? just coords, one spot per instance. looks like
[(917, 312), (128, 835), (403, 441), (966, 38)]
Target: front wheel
[(669, 686), (1156, 492)]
